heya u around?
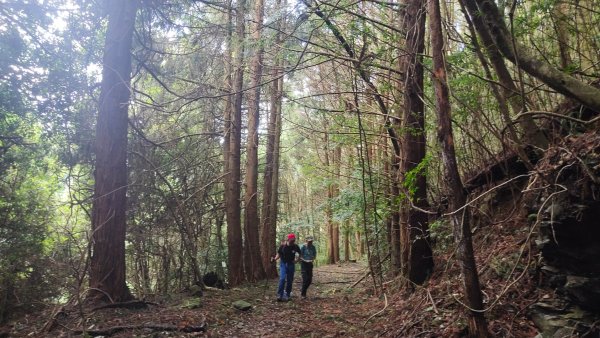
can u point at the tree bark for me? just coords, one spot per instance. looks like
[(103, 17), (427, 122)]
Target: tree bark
[(270, 196), (328, 209), (271, 180), (458, 198), (416, 255), (107, 265), (346, 230), (335, 187), (233, 188), (560, 15), (252, 256)]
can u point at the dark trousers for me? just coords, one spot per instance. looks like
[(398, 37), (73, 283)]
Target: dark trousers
[(307, 275)]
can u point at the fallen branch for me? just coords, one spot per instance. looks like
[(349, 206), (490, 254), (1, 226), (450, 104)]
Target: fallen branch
[(210, 288), (340, 272), (361, 279), (154, 327), (134, 304), (369, 272), (432, 302), (378, 312), (556, 115), (51, 323)]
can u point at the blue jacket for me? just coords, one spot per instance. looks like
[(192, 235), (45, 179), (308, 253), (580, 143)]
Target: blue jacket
[(308, 252)]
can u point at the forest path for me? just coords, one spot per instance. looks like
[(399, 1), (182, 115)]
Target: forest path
[(332, 308)]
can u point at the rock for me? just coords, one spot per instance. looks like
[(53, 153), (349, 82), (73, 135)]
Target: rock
[(212, 279), (192, 303), (196, 291), (584, 291), (563, 332), (242, 305), (547, 318), (554, 318)]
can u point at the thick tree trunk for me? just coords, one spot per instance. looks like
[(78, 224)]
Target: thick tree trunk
[(416, 254), (269, 215), (271, 180), (458, 198), (107, 265), (554, 78), (252, 256), (233, 189)]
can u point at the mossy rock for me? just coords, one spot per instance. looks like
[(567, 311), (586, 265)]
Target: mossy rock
[(242, 305), (191, 304)]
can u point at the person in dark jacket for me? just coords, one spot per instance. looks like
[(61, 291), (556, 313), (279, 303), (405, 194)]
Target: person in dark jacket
[(287, 253), (308, 253)]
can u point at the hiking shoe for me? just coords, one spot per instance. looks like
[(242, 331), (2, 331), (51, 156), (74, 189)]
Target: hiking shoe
[(285, 298), (280, 298)]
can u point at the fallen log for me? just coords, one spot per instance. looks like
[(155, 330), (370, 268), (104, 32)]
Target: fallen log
[(154, 327)]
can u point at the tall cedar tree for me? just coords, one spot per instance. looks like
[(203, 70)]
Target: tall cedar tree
[(271, 175), (268, 231), (416, 256), (253, 264), (234, 131), (107, 267)]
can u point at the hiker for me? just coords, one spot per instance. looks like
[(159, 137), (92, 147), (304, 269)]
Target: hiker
[(308, 253), (287, 253)]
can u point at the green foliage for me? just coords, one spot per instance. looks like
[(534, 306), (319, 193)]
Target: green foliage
[(441, 234), (410, 178)]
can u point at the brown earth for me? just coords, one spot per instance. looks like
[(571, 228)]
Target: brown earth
[(332, 309)]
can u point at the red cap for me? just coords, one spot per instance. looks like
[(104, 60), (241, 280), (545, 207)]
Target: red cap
[(291, 236)]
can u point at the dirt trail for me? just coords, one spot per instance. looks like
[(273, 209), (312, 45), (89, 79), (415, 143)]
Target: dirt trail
[(331, 309)]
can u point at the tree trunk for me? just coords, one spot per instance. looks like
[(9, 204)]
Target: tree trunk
[(328, 210), (358, 244), (253, 258), (509, 91), (107, 265), (522, 57), (269, 208), (560, 15), (458, 198), (416, 254), (347, 242), (271, 179), (233, 189), (337, 155)]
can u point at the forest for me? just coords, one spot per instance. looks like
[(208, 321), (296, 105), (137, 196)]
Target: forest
[(442, 155)]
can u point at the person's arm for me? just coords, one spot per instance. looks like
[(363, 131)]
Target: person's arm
[(277, 256), (299, 251)]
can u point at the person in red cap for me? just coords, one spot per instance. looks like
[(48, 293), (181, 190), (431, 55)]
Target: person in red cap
[(287, 253)]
